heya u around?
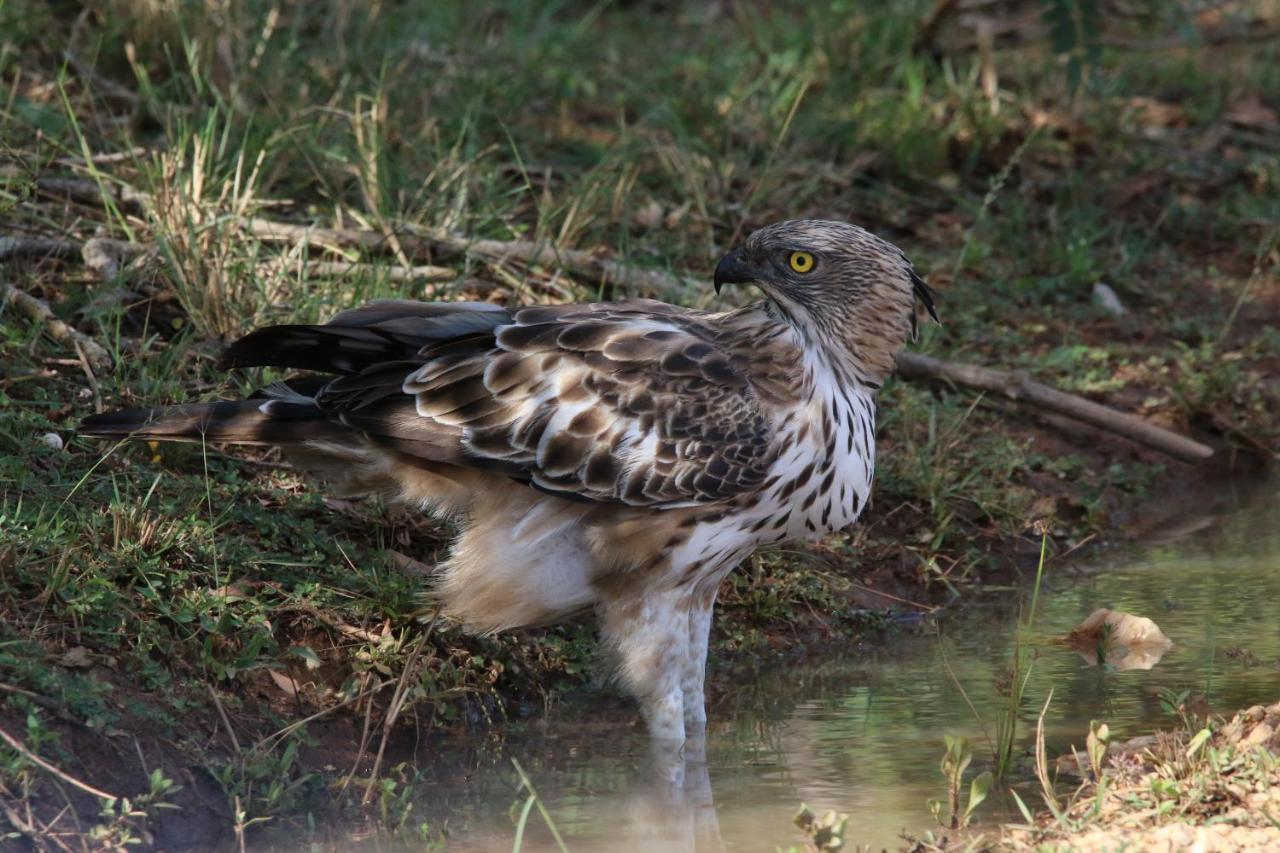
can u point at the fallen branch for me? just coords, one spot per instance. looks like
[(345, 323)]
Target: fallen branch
[(339, 269), (105, 257), (107, 159), (600, 269), (417, 241), (36, 309), (21, 246), (1017, 386), (90, 192)]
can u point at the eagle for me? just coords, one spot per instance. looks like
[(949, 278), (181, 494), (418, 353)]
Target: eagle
[(620, 457)]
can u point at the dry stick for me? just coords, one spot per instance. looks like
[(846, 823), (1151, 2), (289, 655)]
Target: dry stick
[(93, 380), (226, 721), (324, 712), (20, 748), (393, 710), (37, 310), (416, 241), (492, 251), (104, 159), (16, 821), (1017, 386), (58, 708), (338, 269), (19, 246), (105, 257), (88, 192)]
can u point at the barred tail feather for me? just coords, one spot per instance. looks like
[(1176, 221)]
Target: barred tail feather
[(239, 422)]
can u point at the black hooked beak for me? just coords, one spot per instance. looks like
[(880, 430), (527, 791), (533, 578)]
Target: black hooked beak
[(733, 269)]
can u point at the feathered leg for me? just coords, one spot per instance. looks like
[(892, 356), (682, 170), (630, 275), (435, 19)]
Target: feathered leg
[(694, 672), (650, 631)]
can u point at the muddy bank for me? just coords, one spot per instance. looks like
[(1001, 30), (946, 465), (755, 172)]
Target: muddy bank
[(1211, 787)]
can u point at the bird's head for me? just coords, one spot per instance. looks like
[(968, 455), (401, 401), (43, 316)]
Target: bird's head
[(841, 286)]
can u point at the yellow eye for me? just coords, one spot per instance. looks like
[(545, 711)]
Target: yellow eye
[(801, 261)]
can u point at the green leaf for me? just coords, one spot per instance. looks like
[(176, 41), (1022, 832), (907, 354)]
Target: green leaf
[(978, 790), (308, 655), (1201, 738), (1022, 807)]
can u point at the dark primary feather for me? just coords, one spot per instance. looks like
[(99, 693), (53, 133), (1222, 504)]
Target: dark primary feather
[(380, 331)]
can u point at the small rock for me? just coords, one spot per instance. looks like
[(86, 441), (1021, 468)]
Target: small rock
[(1260, 735), (52, 439), (1108, 300), (649, 216), (76, 657)]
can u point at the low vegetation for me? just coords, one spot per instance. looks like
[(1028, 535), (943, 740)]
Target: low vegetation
[(1214, 785), (184, 626)]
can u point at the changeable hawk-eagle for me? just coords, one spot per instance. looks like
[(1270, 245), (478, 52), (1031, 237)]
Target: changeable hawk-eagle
[(621, 456)]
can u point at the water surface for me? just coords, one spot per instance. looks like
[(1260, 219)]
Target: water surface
[(862, 732)]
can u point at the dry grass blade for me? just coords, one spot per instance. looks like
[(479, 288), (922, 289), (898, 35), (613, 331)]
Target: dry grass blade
[(1042, 760), (198, 208)]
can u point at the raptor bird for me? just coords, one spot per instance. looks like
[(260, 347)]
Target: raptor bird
[(622, 456)]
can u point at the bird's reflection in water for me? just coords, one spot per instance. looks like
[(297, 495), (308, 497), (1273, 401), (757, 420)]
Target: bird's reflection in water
[(671, 806)]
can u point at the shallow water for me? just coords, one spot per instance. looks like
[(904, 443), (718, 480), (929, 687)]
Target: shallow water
[(862, 733)]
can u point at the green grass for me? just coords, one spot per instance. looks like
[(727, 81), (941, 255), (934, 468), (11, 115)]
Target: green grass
[(660, 136)]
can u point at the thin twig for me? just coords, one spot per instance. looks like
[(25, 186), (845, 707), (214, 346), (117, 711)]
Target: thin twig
[(20, 748), (226, 721), (43, 701), (297, 724), (497, 252), (106, 85), (394, 708), (364, 744), (107, 159), (24, 827), (93, 380)]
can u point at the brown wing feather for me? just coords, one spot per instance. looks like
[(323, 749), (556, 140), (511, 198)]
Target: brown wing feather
[(634, 403)]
